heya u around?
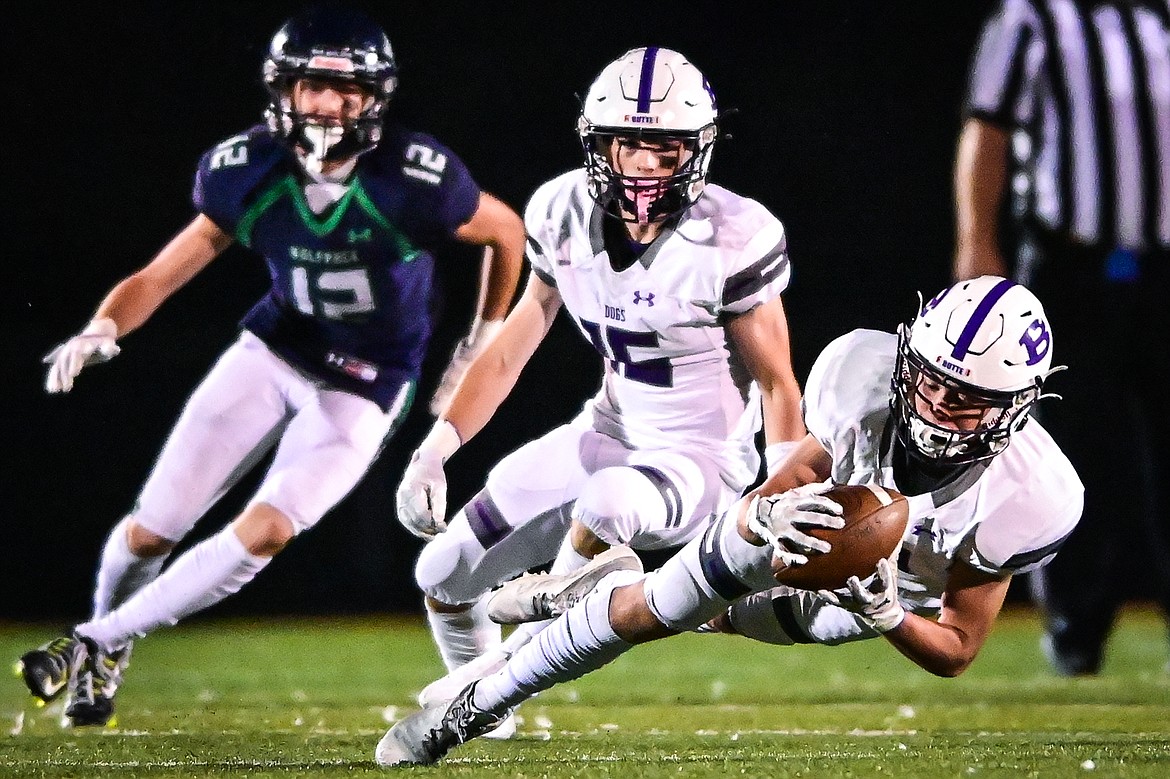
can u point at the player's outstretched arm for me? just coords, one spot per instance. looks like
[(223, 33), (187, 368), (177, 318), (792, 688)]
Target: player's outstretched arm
[(132, 301), (761, 336), (422, 493), (499, 229), (947, 647)]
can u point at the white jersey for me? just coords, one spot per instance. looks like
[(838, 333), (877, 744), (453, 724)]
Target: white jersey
[(1006, 515), (672, 378)]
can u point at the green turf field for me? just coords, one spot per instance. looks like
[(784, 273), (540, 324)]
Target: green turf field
[(312, 697)]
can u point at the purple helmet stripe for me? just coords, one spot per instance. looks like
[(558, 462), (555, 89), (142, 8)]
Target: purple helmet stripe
[(963, 345), (646, 79)]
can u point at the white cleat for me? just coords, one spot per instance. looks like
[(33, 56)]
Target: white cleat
[(410, 741), (426, 736), (541, 596), (442, 691)]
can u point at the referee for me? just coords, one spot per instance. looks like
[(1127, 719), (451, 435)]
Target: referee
[(1062, 179)]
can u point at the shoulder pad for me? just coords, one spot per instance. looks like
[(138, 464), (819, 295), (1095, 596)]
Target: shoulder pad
[(231, 170)]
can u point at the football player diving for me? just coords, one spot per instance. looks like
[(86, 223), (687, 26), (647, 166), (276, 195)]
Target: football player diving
[(929, 411), (347, 210)]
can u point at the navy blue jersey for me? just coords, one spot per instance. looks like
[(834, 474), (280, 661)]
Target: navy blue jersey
[(351, 287)]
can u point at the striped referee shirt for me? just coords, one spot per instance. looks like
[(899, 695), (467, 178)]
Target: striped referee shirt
[(1085, 88)]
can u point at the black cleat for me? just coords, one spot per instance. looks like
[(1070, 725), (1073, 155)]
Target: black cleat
[(48, 670), (426, 736), (91, 695)]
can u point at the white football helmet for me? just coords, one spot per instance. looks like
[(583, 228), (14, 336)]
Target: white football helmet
[(653, 94), (975, 358)]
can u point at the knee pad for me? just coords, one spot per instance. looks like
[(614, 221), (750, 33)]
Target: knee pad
[(435, 565), (616, 503)]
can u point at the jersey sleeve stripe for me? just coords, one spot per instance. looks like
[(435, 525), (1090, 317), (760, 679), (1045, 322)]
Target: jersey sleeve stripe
[(757, 276), (1019, 562), (544, 276)]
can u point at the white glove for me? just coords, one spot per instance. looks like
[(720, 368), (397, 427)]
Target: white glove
[(778, 519), (876, 601), (92, 345), (482, 332), (422, 494)]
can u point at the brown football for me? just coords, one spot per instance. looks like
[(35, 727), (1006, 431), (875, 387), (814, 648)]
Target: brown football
[(875, 519)]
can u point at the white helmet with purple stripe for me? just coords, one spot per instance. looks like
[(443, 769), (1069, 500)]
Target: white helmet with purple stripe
[(970, 366), (653, 94)]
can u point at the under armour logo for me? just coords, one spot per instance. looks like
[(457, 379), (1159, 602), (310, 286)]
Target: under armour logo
[(360, 235), (648, 298)]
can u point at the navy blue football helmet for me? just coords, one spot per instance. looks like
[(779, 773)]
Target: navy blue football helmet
[(335, 44)]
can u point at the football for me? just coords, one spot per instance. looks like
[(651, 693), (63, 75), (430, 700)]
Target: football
[(875, 519)]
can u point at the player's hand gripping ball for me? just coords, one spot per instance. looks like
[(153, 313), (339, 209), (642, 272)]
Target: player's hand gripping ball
[(875, 519)]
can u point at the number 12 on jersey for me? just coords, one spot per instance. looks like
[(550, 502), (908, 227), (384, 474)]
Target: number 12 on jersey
[(332, 294), (614, 344)]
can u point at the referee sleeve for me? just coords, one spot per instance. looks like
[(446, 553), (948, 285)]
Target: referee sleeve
[(999, 67)]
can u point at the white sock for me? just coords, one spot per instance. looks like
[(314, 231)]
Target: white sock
[(463, 636), (202, 576), (121, 573), (579, 641), (567, 560)]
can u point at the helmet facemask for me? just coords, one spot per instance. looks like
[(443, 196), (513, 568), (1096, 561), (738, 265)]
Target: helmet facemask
[(643, 199), (323, 138)]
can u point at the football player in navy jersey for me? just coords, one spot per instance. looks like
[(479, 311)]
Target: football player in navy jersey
[(342, 207)]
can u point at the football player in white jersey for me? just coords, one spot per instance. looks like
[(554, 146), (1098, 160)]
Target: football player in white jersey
[(676, 282), (965, 375)]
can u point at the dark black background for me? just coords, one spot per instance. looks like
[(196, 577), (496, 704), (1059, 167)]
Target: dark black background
[(847, 118)]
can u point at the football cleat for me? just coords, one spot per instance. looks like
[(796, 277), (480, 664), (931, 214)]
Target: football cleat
[(91, 696), (444, 690), (425, 737), (541, 596), (48, 669)]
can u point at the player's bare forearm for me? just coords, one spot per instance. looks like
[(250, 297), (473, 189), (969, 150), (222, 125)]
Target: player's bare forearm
[(761, 337), (134, 299), (492, 374), (948, 646), (980, 180), (497, 228)]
